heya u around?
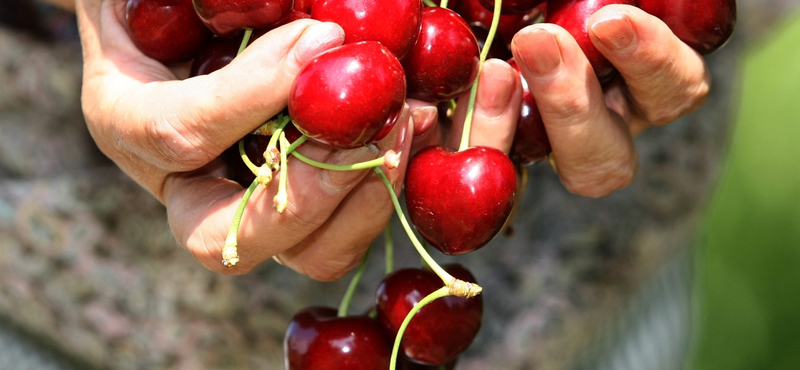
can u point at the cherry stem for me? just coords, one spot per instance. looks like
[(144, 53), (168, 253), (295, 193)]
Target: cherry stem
[(245, 158), (341, 167), (297, 143), (351, 289), (429, 2), (443, 3), (473, 92), (245, 40), (230, 254), (441, 292), (387, 234), (281, 199), (444, 275), (271, 152)]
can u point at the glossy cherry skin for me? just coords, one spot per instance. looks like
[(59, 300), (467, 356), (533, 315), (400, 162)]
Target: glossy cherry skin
[(348, 96), (394, 24), (512, 6), (303, 6), (217, 54), (574, 15), (705, 25), (406, 364), (318, 340), (227, 18), (530, 139), (168, 31), (474, 12), (458, 201), (444, 61), (440, 330)]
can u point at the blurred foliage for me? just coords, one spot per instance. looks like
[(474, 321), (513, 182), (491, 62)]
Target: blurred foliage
[(749, 257)]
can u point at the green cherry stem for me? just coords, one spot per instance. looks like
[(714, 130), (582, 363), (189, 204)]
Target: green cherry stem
[(297, 143), (473, 92), (351, 289), (340, 167), (271, 153), (230, 254), (245, 158), (429, 3), (441, 292), (443, 3), (281, 199), (387, 234), (248, 32)]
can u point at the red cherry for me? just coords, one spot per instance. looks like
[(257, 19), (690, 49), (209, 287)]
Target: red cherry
[(705, 25), (166, 30), (440, 330), (405, 364), (227, 18), (530, 139), (512, 6), (574, 15), (474, 12), (498, 50), (303, 6), (217, 54), (254, 147), (444, 61), (458, 201), (396, 26), (318, 340), (348, 96)]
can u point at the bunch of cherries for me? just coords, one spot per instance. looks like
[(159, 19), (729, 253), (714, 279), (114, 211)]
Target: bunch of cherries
[(351, 96)]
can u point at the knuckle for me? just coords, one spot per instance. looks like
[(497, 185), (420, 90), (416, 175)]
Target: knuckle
[(175, 148), (605, 181), (569, 107)]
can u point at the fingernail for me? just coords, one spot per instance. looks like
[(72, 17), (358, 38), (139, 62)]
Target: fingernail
[(341, 180), (423, 118), (615, 32), (538, 50), (316, 39), (498, 79)]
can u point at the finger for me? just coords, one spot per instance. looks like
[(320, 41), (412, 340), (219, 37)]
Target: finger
[(338, 245), (666, 78), (496, 111), (428, 129), (201, 207), (591, 144)]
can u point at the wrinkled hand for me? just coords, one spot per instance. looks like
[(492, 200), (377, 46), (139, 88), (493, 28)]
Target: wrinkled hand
[(167, 133)]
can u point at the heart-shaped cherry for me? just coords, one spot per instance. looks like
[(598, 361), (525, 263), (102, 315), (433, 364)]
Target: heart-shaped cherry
[(458, 201), (444, 61), (574, 16), (440, 330), (530, 139), (396, 26), (318, 340), (168, 31), (348, 96), (705, 25), (227, 18)]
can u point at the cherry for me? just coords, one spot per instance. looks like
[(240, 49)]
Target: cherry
[(512, 6), (396, 26), (530, 139), (705, 25), (574, 15), (458, 201), (217, 54), (444, 62), (474, 12), (303, 6), (166, 30), (227, 18), (498, 50), (406, 364), (318, 340), (348, 96), (440, 330)]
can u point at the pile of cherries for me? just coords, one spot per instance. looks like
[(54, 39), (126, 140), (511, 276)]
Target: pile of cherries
[(352, 95)]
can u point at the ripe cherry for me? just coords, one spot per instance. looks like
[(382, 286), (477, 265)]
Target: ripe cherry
[(318, 340), (530, 139), (444, 61), (705, 25), (574, 16), (227, 18), (474, 12), (512, 6), (396, 26), (440, 330), (458, 201), (168, 31)]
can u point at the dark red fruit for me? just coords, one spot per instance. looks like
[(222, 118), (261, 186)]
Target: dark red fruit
[(574, 15), (318, 340), (303, 6), (512, 6), (406, 364), (227, 18), (440, 330), (705, 25), (217, 54), (530, 140), (254, 147), (348, 96), (458, 201), (474, 12), (444, 61), (396, 24), (166, 30), (498, 50)]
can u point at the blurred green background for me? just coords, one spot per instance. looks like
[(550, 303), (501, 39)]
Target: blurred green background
[(748, 277)]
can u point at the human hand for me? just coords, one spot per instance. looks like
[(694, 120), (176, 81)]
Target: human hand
[(167, 133), (590, 128)]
